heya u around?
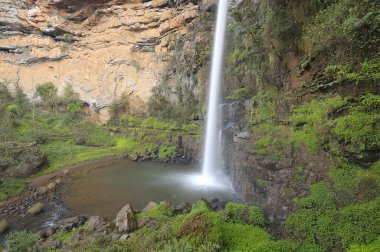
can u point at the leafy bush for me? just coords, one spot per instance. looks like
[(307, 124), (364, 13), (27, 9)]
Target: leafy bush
[(167, 152), (46, 90), (21, 241), (359, 223), (241, 214), (10, 187), (372, 247), (311, 121)]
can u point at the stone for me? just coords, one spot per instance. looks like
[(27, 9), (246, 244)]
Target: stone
[(96, 222), (216, 204), (52, 244), (42, 189), (124, 237), (116, 237), (4, 226), (20, 160), (70, 223), (36, 208), (243, 135), (182, 208), (149, 206), (50, 186), (46, 233), (125, 219)]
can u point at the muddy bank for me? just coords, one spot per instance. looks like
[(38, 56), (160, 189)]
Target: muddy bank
[(47, 190)]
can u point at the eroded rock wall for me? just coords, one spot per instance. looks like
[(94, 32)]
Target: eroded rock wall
[(104, 49)]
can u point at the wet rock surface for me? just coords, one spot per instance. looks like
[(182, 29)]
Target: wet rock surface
[(260, 180)]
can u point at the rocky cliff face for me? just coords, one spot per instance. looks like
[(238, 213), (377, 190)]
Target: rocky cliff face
[(103, 48), (259, 179)]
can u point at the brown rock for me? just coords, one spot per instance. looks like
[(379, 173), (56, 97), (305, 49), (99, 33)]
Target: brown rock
[(70, 223), (149, 206), (96, 222), (125, 219), (36, 208), (4, 226), (105, 35)]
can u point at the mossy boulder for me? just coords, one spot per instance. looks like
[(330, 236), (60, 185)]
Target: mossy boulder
[(242, 214), (20, 160)]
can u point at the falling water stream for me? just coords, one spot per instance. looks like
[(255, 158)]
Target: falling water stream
[(212, 163)]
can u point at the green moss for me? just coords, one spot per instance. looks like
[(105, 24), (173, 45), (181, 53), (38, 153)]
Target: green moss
[(311, 122), (21, 241), (162, 212), (372, 247), (262, 182), (167, 152), (192, 128), (359, 223), (243, 238), (359, 130), (10, 187), (238, 213), (240, 93), (61, 154)]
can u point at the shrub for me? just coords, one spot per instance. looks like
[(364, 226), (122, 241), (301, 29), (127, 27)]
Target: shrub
[(372, 247), (68, 37), (167, 152), (241, 214), (359, 223), (46, 90), (21, 241)]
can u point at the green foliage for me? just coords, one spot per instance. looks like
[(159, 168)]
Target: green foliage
[(311, 121), (192, 128), (162, 212), (270, 137), (359, 223), (360, 128), (372, 247), (156, 123), (10, 187), (167, 152), (118, 107), (346, 29), (266, 108), (21, 241), (241, 214), (331, 216), (368, 72), (244, 238), (46, 90), (68, 37), (239, 93)]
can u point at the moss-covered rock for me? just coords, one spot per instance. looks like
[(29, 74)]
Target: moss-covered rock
[(20, 160)]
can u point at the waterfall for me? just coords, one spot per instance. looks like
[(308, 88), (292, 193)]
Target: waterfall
[(212, 155)]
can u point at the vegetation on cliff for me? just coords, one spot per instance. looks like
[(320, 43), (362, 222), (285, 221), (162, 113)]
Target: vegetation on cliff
[(58, 127), (328, 104)]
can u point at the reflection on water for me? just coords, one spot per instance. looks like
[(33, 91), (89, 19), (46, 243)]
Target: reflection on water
[(106, 190)]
